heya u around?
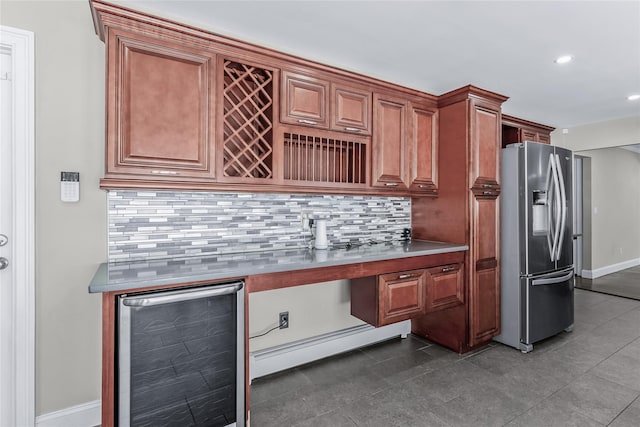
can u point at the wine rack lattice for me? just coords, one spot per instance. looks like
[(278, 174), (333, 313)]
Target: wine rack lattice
[(248, 121)]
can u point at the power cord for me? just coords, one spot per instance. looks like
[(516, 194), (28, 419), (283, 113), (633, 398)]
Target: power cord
[(265, 333)]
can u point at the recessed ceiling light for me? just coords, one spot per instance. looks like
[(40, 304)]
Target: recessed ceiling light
[(633, 97), (563, 59)]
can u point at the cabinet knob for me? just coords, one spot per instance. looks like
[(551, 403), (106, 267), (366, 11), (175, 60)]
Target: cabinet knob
[(307, 122)]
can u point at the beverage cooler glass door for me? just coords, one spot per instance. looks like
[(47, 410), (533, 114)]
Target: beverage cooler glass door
[(181, 357)]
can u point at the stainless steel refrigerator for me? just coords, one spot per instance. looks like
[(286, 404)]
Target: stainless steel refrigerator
[(537, 275)]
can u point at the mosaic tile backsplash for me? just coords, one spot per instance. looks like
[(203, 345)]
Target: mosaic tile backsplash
[(160, 224)]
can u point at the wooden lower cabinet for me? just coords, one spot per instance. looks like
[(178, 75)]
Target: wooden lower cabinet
[(445, 287), (389, 298), (466, 211), (445, 319)]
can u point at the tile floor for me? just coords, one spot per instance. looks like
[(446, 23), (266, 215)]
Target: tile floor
[(589, 377), (625, 283)]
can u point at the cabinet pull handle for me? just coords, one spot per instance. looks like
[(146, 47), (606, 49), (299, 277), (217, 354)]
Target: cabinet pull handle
[(161, 172), (391, 184), (487, 186), (405, 276), (447, 269), (353, 130), (488, 193), (307, 122)]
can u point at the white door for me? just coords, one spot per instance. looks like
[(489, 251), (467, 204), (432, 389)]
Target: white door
[(17, 302)]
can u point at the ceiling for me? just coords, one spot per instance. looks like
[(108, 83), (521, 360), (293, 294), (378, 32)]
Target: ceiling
[(507, 47)]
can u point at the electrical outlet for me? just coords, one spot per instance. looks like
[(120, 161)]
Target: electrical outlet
[(284, 320), (304, 219)]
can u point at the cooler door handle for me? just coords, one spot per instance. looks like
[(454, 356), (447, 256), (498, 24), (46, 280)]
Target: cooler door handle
[(181, 295)]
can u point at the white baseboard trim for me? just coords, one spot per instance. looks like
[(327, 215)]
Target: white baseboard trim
[(608, 269), (279, 358), (83, 415)]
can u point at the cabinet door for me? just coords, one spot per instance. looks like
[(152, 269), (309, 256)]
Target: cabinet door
[(160, 108), (350, 109), (485, 148), (305, 100), (544, 138), (528, 135), (424, 149), (388, 167), (445, 287), (401, 296), (484, 286)]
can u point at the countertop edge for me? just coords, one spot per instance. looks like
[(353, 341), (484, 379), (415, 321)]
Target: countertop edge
[(99, 283)]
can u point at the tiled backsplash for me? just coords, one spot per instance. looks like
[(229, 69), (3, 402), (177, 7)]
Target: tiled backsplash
[(159, 224)]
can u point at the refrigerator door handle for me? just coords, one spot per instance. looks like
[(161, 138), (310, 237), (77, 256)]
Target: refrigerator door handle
[(552, 280), (563, 203), (557, 201), (548, 202)]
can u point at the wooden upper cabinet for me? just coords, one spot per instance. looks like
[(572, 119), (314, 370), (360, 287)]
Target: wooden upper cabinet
[(405, 144), (160, 107), (350, 109), (388, 164), (485, 150), (516, 130), (423, 156), (247, 153), (305, 100)]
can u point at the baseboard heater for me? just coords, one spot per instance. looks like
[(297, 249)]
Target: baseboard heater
[(285, 356)]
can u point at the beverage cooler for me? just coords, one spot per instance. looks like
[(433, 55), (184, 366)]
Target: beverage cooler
[(180, 357)]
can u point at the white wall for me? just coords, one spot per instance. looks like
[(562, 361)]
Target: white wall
[(313, 310), (615, 206), (612, 133), (614, 185), (70, 238)]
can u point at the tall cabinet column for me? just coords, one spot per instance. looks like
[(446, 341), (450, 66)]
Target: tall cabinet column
[(467, 211)]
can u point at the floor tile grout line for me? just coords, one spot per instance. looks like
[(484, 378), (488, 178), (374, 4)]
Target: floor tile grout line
[(625, 408)]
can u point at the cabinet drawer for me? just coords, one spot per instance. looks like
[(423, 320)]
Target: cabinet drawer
[(389, 298), (401, 296), (445, 287)]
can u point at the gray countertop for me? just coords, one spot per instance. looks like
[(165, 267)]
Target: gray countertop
[(122, 276)]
